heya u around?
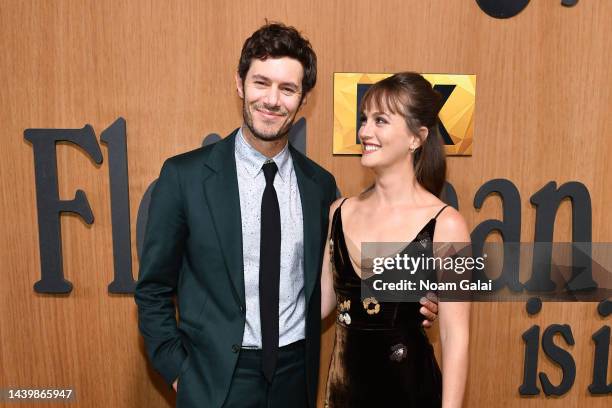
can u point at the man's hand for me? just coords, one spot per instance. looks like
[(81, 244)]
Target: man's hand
[(429, 309), (175, 385)]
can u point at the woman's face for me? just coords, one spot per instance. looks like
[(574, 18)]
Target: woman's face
[(385, 138)]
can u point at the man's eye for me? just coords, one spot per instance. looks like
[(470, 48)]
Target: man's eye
[(259, 83), (288, 91)]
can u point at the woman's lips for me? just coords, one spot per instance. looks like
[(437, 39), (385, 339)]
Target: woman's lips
[(369, 148)]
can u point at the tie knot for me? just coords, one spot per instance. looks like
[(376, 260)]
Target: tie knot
[(269, 168)]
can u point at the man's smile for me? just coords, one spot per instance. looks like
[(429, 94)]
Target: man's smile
[(270, 115)]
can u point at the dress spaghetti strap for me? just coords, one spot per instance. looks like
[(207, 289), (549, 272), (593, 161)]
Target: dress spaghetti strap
[(336, 214), (442, 209)]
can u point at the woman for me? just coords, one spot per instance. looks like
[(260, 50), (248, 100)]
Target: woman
[(382, 357)]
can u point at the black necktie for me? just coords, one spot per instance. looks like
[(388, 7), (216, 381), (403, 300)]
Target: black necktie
[(269, 272)]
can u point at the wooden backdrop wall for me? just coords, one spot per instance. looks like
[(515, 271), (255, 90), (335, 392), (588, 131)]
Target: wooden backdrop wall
[(542, 113)]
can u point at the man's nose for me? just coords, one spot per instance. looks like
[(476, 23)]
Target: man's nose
[(272, 97)]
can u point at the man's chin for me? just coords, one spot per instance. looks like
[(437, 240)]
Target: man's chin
[(269, 138), (269, 135)]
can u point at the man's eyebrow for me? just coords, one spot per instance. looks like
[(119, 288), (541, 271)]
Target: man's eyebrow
[(261, 77), (292, 84), (264, 78)]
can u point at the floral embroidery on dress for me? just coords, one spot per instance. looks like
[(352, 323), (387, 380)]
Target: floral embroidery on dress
[(398, 352), (424, 243), (371, 305), (343, 308), (344, 318)]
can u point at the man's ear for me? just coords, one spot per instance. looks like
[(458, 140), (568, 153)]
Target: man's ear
[(304, 100), (239, 86)]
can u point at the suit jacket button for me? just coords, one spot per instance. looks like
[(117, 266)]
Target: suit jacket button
[(235, 348)]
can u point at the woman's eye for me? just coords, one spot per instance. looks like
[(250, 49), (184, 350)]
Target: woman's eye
[(380, 120), (362, 120)]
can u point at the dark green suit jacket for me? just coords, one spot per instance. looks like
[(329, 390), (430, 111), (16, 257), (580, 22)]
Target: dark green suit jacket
[(193, 249)]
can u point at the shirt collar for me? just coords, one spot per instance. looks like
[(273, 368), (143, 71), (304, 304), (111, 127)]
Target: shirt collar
[(253, 161)]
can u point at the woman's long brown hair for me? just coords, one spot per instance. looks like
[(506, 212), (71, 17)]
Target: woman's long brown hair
[(412, 96)]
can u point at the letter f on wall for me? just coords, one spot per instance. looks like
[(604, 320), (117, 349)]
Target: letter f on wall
[(50, 206)]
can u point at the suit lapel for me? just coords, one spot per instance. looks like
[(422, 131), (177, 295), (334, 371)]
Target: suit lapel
[(223, 199), (310, 196)]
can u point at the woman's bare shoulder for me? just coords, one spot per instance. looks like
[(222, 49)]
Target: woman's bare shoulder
[(451, 226), (340, 201), (334, 206)]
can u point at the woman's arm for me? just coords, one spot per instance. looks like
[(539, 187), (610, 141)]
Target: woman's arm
[(454, 319), (328, 296), (454, 336)]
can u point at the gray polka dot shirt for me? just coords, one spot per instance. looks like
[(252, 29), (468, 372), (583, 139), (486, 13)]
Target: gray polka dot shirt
[(251, 184)]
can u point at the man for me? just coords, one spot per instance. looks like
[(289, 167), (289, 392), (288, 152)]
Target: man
[(236, 231)]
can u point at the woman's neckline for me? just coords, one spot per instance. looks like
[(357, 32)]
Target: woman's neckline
[(345, 238)]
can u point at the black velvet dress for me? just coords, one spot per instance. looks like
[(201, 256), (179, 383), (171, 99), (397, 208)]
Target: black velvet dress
[(381, 357)]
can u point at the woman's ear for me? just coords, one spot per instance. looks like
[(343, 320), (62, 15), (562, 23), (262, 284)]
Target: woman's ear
[(422, 136)]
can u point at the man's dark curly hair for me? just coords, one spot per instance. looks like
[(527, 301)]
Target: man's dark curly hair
[(277, 40)]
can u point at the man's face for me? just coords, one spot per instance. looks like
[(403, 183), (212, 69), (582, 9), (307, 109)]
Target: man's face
[(271, 95)]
